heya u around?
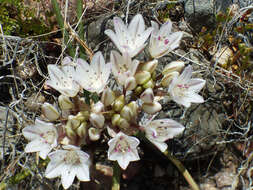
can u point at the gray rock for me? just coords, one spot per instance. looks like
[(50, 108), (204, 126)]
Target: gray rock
[(201, 13)]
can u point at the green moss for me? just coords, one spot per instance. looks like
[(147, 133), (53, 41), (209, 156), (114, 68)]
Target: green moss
[(16, 19)]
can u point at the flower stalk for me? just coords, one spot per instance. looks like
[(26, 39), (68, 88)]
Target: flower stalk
[(116, 176)]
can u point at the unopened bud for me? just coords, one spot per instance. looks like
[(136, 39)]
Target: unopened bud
[(173, 66), (69, 131), (74, 122), (65, 103), (50, 112), (147, 96), (134, 108), (97, 120), (130, 83), (81, 130), (119, 103), (94, 134), (142, 77), (149, 84), (166, 80), (108, 97), (149, 66), (126, 113), (123, 124), (138, 90), (97, 107), (151, 108), (115, 119)]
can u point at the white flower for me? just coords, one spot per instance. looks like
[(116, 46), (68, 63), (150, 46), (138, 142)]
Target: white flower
[(61, 78), (184, 90), (123, 69), (43, 137), (158, 131), (68, 163), (131, 38), (123, 148), (93, 77), (163, 41)]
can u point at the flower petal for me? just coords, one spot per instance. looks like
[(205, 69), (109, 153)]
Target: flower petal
[(136, 26), (67, 176)]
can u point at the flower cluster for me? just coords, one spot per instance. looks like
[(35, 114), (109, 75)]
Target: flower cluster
[(88, 106)]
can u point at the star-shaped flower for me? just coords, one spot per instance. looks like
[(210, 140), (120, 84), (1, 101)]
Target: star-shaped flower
[(184, 90), (129, 38), (93, 77), (158, 131), (163, 41), (61, 78), (43, 137), (68, 163), (123, 148)]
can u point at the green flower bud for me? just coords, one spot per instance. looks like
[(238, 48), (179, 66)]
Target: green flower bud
[(115, 119), (119, 103), (138, 90), (166, 80), (108, 97), (149, 84), (142, 77), (81, 130), (126, 113)]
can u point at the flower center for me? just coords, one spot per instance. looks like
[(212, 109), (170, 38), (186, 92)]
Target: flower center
[(72, 158), (49, 137), (122, 146), (180, 89)]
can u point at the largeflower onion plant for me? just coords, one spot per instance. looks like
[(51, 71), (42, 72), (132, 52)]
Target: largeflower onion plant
[(78, 119)]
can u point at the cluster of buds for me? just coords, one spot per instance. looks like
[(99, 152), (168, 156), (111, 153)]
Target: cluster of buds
[(88, 105)]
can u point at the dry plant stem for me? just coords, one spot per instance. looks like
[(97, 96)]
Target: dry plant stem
[(116, 176), (76, 37), (182, 169)]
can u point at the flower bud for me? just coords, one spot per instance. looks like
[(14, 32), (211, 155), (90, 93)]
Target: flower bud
[(94, 134), (74, 121), (138, 90), (126, 113), (173, 66), (151, 108), (69, 131), (130, 83), (65, 103), (142, 77), (82, 116), (149, 84), (147, 96), (115, 119), (81, 130), (123, 124), (97, 107), (149, 66), (134, 108), (50, 112), (166, 80), (97, 120), (119, 103), (108, 97)]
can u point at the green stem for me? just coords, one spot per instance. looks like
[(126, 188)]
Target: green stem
[(116, 176), (182, 170), (60, 21), (81, 27)]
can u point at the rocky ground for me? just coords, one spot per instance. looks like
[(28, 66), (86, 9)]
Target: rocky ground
[(217, 145)]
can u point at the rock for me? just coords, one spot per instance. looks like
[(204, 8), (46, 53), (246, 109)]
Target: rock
[(201, 13), (224, 179)]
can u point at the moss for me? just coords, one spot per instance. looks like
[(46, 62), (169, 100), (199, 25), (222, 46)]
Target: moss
[(17, 19)]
